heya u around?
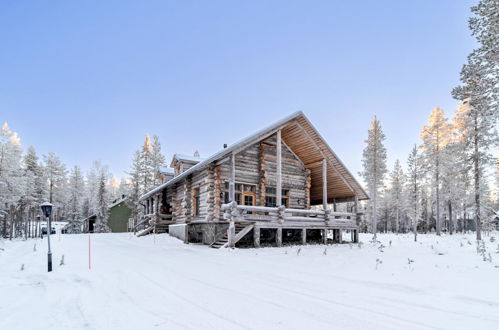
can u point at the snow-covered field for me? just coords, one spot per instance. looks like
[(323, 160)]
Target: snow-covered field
[(147, 283)]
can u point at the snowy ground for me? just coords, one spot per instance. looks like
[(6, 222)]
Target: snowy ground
[(142, 283)]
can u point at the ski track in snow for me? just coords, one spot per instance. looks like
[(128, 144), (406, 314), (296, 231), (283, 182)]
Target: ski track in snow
[(138, 284)]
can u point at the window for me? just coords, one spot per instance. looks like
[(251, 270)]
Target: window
[(195, 201), (271, 197), (245, 194)]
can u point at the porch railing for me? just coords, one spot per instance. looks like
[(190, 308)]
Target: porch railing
[(281, 214)]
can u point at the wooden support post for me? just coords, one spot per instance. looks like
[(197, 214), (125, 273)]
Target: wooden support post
[(325, 236), (256, 236), (279, 170), (278, 237), (324, 184), (231, 235), (232, 181), (356, 236), (340, 236), (304, 236)]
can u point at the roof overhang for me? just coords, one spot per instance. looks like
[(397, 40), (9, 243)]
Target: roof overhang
[(306, 142)]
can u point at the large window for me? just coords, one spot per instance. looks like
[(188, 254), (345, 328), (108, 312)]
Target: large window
[(245, 194), (271, 197)]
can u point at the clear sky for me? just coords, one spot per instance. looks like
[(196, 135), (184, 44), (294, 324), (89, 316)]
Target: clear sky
[(88, 79)]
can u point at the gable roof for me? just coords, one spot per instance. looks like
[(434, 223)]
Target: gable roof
[(304, 140)]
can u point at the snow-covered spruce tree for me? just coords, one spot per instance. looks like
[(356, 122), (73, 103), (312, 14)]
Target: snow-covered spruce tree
[(35, 185), (374, 164), (146, 166), (435, 137), (396, 194), (413, 183), (102, 213), (135, 190), (158, 159), (75, 202)]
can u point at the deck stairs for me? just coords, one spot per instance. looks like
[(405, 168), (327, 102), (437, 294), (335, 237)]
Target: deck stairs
[(161, 228), (241, 231)]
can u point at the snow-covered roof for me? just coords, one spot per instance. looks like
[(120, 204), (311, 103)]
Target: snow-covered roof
[(118, 201), (218, 155), (254, 138), (188, 158), (166, 170)]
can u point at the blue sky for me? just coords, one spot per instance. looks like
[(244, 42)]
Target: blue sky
[(89, 79)]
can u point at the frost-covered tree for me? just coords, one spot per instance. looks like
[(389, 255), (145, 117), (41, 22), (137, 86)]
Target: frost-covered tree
[(135, 189), (75, 202), (11, 178), (33, 173), (374, 164), (102, 214), (396, 194), (435, 137), (413, 182), (479, 91), (157, 157), (146, 166)]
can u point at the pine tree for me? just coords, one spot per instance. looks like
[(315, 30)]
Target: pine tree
[(479, 90), (75, 202), (374, 163), (435, 137), (157, 158), (396, 194), (414, 173)]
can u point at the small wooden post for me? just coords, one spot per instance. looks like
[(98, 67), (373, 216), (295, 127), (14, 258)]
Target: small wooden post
[(256, 236), (340, 236), (304, 236), (279, 170), (325, 236), (279, 237)]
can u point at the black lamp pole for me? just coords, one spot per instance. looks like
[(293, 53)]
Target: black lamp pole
[(47, 210)]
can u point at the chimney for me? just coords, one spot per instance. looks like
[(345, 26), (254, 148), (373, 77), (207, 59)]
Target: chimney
[(225, 145)]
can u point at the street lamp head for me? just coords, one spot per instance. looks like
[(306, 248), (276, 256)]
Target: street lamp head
[(46, 209)]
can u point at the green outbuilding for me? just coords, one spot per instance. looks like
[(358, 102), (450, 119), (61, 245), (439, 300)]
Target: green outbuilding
[(118, 221)]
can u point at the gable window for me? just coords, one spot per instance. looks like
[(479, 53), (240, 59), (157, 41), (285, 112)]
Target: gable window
[(271, 197)]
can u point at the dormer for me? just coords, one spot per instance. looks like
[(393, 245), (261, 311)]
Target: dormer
[(181, 163), (164, 174)]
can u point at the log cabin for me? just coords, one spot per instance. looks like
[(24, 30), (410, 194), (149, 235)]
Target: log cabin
[(279, 185)]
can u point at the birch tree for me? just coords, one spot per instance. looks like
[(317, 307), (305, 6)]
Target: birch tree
[(374, 164)]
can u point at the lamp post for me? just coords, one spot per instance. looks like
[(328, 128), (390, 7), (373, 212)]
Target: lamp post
[(47, 210)]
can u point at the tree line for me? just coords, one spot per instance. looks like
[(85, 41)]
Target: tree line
[(448, 176), (26, 181)]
